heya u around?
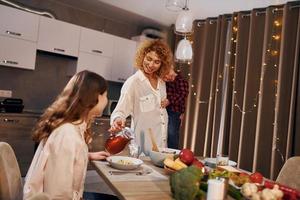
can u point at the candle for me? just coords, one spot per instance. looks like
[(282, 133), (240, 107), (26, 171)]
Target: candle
[(216, 189)]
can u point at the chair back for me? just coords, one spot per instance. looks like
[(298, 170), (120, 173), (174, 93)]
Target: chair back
[(290, 173), (10, 175)]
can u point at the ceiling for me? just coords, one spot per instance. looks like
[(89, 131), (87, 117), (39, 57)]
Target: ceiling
[(156, 11)]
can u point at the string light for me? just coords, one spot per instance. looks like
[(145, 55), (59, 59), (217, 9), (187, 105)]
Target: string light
[(276, 37)]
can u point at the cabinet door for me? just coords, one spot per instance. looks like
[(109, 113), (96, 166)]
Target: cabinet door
[(123, 59), (17, 53), (99, 64), (18, 24), (58, 37), (17, 131), (96, 42)]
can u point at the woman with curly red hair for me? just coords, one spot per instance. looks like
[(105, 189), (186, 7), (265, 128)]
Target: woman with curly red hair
[(142, 94)]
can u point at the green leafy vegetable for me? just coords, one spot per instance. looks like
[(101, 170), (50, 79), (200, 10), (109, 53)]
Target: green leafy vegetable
[(185, 184)]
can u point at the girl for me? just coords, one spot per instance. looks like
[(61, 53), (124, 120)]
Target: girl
[(142, 94), (63, 132)]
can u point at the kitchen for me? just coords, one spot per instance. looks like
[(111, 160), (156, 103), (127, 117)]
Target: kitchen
[(51, 69)]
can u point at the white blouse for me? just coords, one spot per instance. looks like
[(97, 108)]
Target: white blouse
[(59, 167), (140, 100)]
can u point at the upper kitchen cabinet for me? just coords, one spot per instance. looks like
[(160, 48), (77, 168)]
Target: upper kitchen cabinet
[(58, 37), (17, 53), (96, 42), (18, 24), (96, 63), (123, 59)]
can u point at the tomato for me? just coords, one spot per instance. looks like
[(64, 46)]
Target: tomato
[(197, 163), (256, 177), (186, 156)]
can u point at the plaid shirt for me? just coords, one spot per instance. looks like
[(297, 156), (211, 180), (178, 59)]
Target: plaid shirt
[(177, 92)]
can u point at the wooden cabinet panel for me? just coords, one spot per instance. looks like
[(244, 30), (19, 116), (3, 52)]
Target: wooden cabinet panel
[(123, 59), (96, 42), (17, 132), (98, 64), (18, 24), (58, 37), (17, 53)]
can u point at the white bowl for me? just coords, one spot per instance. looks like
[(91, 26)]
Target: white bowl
[(158, 158), (124, 162)]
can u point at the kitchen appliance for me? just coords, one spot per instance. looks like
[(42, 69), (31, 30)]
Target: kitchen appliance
[(111, 105), (12, 105)]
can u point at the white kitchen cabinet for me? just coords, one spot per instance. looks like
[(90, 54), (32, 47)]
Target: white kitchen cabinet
[(96, 63), (58, 37), (123, 59), (17, 53), (96, 42), (18, 24)]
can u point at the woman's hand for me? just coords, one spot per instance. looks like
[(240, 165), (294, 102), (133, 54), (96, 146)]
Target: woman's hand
[(100, 155), (164, 103), (117, 126)]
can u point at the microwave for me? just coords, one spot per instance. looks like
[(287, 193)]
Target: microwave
[(111, 105)]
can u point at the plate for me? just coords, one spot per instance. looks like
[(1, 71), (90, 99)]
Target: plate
[(212, 162), (124, 162)]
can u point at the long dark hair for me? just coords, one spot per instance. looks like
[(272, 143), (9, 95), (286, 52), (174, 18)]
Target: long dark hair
[(73, 104)]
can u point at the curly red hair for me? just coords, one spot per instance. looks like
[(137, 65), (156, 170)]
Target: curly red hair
[(163, 51)]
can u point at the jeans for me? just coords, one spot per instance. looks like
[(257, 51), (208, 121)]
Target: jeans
[(98, 196), (173, 129)]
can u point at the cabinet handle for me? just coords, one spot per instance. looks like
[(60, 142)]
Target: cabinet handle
[(10, 62), (13, 33), (97, 51), (60, 50), (6, 120), (98, 123), (121, 79)]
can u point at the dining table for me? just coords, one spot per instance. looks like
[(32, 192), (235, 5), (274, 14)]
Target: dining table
[(135, 186)]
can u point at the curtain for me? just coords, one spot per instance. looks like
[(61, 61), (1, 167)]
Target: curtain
[(244, 88)]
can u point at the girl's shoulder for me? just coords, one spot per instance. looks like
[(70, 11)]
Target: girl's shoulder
[(66, 131)]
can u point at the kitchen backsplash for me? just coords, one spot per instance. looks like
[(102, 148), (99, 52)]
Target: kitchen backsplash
[(38, 88)]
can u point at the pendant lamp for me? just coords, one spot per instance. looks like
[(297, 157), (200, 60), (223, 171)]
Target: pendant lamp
[(175, 5), (184, 51), (184, 21)]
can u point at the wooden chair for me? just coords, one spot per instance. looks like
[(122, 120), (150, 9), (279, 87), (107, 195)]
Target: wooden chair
[(10, 175), (11, 187), (290, 173)]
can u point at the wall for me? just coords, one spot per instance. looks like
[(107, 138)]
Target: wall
[(39, 88)]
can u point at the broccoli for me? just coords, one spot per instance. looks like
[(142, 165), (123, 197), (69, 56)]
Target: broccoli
[(185, 184)]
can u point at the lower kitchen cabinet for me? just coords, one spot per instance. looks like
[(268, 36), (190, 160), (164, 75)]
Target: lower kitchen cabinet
[(16, 130)]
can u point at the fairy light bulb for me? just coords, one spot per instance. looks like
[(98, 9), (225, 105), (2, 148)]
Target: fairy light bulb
[(276, 37), (235, 29), (277, 23)]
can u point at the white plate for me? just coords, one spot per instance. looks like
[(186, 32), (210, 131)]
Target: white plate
[(213, 161), (116, 162)]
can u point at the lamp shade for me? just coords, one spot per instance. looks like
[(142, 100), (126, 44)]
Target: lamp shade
[(175, 5), (184, 22), (184, 51)]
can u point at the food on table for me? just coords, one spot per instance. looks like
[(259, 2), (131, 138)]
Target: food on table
[(218, 173), (249, 189), (239, 179), (186, 156), (256, 177), (125, 162), (176, 165), (197, 163), (289, 193), (185, 184)]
